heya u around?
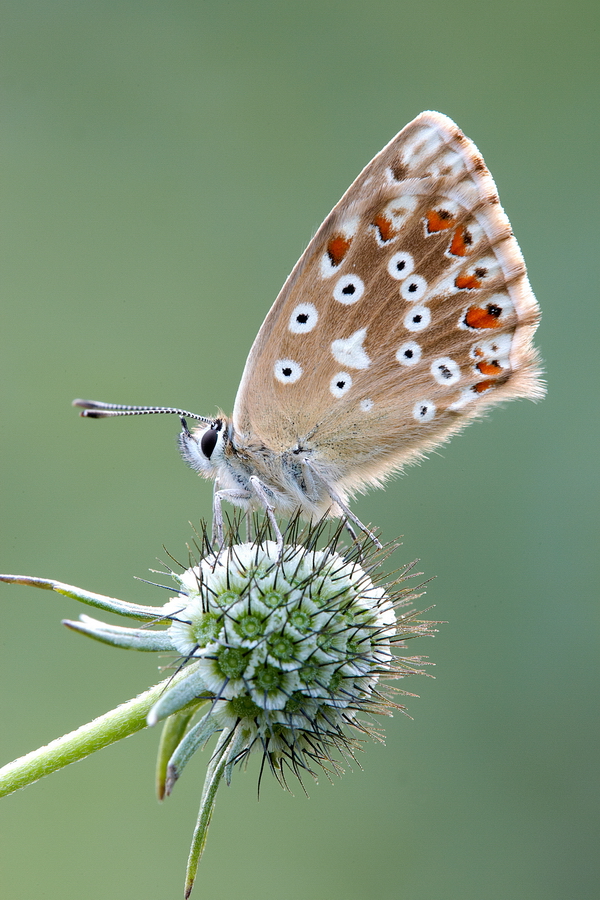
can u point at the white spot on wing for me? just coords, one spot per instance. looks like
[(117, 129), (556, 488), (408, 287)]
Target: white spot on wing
[(400, 265), (424, 411), (287, 371), (467, 396), (447, 164), (417, 319), (303, 319), (413, 289), (494, 348), (409, 354), (491, 263), (349, 289), (421, 146), (350, 351), (396, 212), (340, 384), (445, 370), (366, 405)]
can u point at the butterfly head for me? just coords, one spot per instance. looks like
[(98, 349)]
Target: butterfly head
[(205, 448)]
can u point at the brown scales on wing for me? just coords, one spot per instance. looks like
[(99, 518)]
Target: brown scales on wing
[(441, 233)]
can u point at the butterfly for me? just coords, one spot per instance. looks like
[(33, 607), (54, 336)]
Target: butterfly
[(409, 314)]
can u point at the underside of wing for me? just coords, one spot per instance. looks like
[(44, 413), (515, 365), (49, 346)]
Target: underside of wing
[(409, 313)]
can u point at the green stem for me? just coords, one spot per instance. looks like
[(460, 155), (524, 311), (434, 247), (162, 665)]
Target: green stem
[(112, 726), (212, 781)]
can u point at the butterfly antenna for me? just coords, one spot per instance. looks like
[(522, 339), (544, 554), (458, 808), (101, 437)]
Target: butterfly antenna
[(95, 409)]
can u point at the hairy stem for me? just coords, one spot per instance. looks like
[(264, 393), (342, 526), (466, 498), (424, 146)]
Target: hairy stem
[(107, 729)]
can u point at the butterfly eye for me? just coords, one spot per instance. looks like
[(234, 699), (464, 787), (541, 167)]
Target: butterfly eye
[(400, 265), (208, 441)]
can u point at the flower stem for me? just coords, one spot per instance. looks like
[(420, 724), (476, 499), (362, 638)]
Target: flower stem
[(126, 719), (212, 781)]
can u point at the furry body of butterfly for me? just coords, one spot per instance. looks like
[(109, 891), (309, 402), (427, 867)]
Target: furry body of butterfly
[(408, 315)]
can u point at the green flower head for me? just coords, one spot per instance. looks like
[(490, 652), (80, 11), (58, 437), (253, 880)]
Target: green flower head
[(279, 651)]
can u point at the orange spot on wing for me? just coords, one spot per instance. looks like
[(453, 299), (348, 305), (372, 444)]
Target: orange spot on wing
[(482, 386), (337, 247), (439, 220), (489, 368), (476, 317), (461, 242), (384, 227), (468, 282)]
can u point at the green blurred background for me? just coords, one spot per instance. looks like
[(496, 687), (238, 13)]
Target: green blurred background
[(163, 165)]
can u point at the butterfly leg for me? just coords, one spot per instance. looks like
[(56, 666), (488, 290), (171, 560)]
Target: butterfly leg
[(343, 506), (351, 531), (262, 495), (354, 539), (232, 495)]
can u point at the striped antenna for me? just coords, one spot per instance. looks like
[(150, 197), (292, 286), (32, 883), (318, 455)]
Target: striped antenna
[(96, 409)]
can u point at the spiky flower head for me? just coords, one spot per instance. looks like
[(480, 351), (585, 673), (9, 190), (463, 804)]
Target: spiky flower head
[(280, 650), (290, 647)]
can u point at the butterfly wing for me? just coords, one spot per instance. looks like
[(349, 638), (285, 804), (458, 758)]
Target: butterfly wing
[(409, 313)]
